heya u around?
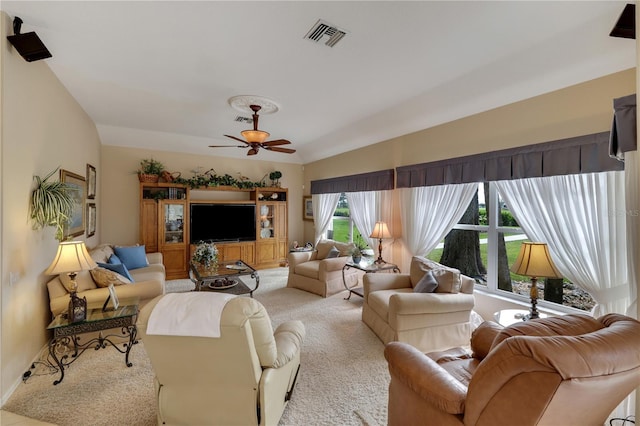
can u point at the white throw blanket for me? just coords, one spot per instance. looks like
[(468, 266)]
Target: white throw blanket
[(188, 314)]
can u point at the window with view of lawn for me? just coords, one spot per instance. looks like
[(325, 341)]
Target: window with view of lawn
[(484, 245)]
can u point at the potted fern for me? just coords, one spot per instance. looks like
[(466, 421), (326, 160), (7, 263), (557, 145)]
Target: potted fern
[(150, 170), (51, 204)]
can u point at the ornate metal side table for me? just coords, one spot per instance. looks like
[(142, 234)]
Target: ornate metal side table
[(65, 346), (368, 268)]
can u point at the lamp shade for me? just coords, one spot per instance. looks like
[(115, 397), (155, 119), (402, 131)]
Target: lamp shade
[(534, 260), (380, 231), (255, 135), (72, 256)]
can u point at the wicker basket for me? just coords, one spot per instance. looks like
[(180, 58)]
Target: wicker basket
[(143, 177)]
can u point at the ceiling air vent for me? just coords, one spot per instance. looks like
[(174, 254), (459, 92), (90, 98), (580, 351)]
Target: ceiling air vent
[(241, 119), (325, 32)]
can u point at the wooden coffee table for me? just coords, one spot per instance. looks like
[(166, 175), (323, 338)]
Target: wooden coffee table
[(226, 278)]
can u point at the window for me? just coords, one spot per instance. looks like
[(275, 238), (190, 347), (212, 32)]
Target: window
[(485, 243), (342, 227)]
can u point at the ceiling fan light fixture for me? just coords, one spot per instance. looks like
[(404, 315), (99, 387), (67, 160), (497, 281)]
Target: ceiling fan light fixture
[(253, 136)]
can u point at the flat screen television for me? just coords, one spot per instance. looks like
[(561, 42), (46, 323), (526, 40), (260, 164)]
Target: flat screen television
[(222, 222)]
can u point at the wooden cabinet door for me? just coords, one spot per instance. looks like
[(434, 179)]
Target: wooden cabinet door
[(149, 225)]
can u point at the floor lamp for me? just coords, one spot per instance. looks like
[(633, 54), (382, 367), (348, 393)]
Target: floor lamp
[(380, 232), (535, 261)]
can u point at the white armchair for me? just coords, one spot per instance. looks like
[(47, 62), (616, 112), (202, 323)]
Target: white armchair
[(244, 377), (317, 273), (429, 321)]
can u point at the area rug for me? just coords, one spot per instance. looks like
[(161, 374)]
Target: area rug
[(343, 377)]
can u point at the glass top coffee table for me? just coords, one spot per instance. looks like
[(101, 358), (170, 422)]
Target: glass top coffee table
[(369, 268), (225, 278)]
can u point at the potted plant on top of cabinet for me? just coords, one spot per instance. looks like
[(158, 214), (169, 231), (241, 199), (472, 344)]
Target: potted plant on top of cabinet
[(150, 170)]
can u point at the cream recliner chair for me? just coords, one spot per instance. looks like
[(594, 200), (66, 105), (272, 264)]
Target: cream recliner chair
[(244, 377)]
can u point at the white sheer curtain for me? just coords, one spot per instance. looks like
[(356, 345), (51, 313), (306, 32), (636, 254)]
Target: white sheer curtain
[(324, 205), (582, 219), (366, 208), (632, 189), (429, 212)]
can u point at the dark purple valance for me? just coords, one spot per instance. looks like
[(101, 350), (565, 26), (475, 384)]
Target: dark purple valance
[(374, 181), (623, 129), (582, 154)]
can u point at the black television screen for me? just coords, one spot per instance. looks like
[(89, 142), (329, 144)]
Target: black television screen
[(223, 222)]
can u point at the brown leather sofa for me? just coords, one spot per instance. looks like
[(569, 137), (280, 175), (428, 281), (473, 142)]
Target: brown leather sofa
[(243, 377), (567, 370)]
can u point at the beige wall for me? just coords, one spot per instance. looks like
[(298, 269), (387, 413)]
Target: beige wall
[(577, 110), (43, 127), (120, 201)]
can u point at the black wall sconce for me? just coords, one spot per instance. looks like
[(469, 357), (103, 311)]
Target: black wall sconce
[(28, 45)]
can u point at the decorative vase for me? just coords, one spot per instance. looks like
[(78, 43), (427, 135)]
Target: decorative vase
[(356, 259)]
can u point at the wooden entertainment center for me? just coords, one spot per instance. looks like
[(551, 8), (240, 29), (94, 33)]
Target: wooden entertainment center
[(165, 220)]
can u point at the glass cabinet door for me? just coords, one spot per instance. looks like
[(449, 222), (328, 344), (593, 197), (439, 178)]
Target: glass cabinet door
[(173, 223), (267, 221)]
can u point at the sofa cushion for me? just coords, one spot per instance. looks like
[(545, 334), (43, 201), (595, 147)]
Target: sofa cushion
[(448, 278), (104, 277), (118, 268), (101, 253), (308, 269), (151, 272), (133, 257), (83, 280), (427, 284), (114, 260)]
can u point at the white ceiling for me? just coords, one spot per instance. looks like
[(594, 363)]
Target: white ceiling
[(158, 74)]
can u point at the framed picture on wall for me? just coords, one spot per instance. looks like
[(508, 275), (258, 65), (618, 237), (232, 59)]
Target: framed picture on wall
[(91, 182), (307, 208), (91, 219), (77, 183)]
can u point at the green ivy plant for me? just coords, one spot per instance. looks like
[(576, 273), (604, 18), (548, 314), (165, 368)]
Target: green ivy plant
[(211, 179), (51, 204)]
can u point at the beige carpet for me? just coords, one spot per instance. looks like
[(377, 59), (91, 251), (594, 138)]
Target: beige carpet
[(343, 378)]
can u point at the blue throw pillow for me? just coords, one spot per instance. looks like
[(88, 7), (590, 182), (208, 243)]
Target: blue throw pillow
[(114, 260), (132, 257), (119, 268)]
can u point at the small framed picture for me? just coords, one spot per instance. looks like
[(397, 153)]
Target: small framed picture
[(113, 297), (77, 184), (91, 219), (91, 182), (307, 208)]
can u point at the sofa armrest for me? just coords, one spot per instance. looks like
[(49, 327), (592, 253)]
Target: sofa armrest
[(375, 282), (142, 290), (288, 337), (297, 257), (429, 303), (332, 264), (154, 258), (425, 378)]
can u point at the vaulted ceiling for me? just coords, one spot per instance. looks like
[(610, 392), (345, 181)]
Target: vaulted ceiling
[(159, 74)]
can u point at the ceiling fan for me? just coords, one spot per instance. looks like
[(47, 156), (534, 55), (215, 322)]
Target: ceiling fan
[(256, 139)]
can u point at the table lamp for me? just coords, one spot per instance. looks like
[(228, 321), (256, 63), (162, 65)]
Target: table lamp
[(380, 231), (535, 261), (72, 257)]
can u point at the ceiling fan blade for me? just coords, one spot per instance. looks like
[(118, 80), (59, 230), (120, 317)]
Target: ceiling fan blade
[(228, 146), (252, 151), (278, 149), (276, 142), (238, 139)]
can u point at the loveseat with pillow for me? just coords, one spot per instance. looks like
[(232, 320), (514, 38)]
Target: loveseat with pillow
[(320, 271), (430, 308), (134, 273)]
